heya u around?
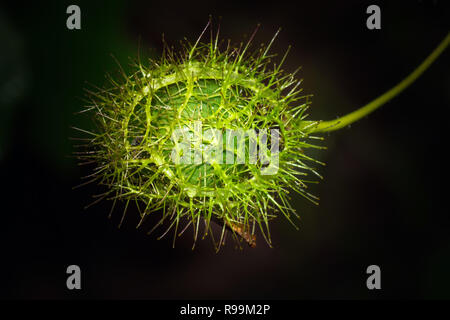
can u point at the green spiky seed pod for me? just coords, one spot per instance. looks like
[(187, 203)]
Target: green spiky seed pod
[(176, 109), (232, 91)]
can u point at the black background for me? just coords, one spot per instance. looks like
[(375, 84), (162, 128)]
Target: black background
[(383, 198)]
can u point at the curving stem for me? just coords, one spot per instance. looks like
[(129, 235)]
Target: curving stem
[(326, 126)]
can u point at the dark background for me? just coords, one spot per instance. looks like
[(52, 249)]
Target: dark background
[(384, 195)]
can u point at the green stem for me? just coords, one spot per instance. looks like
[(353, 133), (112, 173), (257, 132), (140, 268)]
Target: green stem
[(344, 121)]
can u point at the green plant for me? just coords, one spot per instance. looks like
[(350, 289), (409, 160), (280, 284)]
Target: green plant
[(135, 144)]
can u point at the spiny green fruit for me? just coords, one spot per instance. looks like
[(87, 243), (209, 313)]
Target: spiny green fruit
[(207, 135)]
